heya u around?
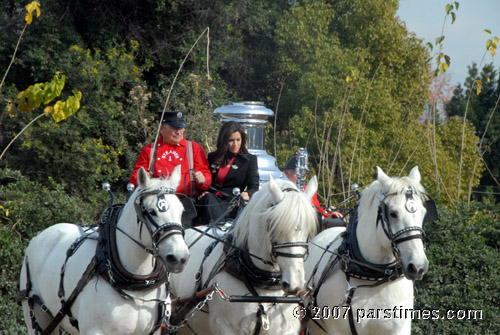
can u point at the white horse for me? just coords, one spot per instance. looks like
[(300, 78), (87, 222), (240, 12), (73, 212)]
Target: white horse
[(146, 244), (269, 242), (362, 277)]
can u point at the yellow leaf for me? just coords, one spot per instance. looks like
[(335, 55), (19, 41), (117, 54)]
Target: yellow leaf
[(63, 110), (479, 86), (488, 44), (48, 110), (10, 108), (443, 67), (30, 8), (348, 79), (493, 51)]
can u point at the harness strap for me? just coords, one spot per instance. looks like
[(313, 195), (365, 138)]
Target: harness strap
[(89, 273), (352, 324), (258, 323), (265, 261), (189, 145), (24, 294), (260, 310)]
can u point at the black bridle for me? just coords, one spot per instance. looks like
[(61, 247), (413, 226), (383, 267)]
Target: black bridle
[(274, 246), (157, 230), (383, 218)]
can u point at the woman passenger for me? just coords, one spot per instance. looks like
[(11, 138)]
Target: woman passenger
[(231, 166)]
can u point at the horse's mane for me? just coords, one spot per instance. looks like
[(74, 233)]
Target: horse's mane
[(283, 219), (398, 185)]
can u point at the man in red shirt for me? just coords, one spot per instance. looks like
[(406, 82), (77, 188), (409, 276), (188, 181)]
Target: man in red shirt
[(172, 149)]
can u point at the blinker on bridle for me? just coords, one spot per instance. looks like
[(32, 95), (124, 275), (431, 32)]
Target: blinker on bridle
[(144, 216), (411, 207)]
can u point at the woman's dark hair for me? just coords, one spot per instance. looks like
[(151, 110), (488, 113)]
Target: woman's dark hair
[(227, 129)]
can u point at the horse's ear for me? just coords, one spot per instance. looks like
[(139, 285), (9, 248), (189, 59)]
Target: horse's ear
[(384, 179), (142, 178), (175, 177), (276, 192), (415, 174), (312, 187)]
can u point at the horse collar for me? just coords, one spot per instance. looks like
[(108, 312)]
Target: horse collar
[(110, 266), (239, 265), (354, 264)]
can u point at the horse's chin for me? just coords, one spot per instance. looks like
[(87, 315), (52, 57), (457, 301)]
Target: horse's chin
[(175, 268), (174, 265)]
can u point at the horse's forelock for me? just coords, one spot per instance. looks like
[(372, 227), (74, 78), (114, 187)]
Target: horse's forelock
[(281, 219), (162, 182), (294, 213), (397, 186)]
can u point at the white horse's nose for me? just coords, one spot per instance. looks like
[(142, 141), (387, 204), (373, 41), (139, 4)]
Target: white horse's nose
[(292, 289), (174, 260), (416, 271)]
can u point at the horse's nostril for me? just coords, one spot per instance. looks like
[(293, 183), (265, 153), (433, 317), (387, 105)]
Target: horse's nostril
[(285, 286), (172, 259), (415, 272)]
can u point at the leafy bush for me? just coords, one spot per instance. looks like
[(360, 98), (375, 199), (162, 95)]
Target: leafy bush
[(464, 272), (26, 208)]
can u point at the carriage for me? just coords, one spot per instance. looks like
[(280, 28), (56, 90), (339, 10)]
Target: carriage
[(265, 273)]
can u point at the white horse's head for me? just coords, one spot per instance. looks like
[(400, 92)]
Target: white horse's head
[(276, 225), (158, 207), (401, 208)]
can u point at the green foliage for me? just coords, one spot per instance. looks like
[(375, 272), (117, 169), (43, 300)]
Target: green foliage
[(98, 143), (462, 249), (11, 254), (355, 87), (482, 112), (27, 207), (449, 135), (191, 94), (42, 93)]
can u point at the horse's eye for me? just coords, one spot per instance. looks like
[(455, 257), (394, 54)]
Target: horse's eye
[(394, 215), (152, 212)]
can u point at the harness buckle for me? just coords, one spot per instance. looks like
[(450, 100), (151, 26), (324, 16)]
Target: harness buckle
[(348, 295), (168, 307), (44, 308), (265, 322)]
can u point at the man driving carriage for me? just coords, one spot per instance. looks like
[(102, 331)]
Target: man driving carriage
[(171, 150)]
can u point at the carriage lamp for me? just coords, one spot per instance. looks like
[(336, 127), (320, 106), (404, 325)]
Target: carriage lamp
[(107, 187), (355, 188), (130, 189), (301, 168)]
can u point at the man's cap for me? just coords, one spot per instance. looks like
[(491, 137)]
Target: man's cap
[(172, 118), (291, 163)]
